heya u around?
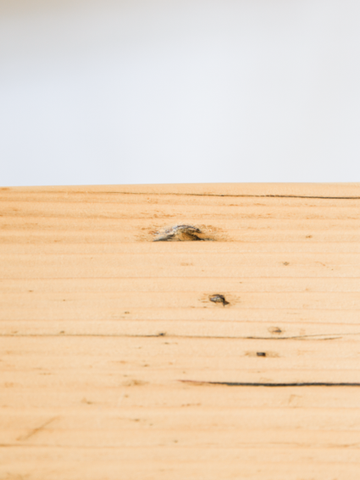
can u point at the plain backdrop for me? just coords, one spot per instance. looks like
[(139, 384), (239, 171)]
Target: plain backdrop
[(105, 92)]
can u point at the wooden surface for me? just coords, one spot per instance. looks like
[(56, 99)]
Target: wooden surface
[(115, 365)]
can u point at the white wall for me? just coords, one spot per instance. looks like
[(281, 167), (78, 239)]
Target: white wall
[(179, 91)]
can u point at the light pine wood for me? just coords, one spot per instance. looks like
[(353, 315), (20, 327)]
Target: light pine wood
[(115, 365)]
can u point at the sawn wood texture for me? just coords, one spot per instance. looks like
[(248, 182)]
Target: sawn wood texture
[(115, 364)]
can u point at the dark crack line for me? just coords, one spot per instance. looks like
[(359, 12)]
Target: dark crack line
[(156, 335), (266, 384), (33, 431), (183, 194), (235, 196)]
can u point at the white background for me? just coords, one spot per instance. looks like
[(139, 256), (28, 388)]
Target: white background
[(105, 92)]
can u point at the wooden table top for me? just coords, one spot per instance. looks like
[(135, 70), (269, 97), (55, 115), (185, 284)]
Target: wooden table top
[(117, 365)]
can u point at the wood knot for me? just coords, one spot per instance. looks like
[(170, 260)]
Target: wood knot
[(180, 233), (275, 330), (218, 298)]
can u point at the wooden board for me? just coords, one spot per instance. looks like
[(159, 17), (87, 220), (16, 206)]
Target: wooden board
[(115, 364)]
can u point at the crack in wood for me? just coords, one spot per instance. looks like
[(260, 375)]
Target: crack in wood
[(233, 196), (33, 431), (156, 335), (273, 384)]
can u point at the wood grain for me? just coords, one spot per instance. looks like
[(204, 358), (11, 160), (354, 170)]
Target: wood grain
[(115, 365)]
